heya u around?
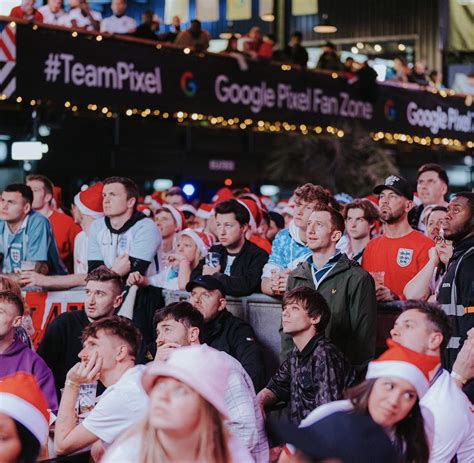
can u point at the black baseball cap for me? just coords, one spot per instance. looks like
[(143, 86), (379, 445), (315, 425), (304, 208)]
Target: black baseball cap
[(206, 281), (397, 184), (345, 436)]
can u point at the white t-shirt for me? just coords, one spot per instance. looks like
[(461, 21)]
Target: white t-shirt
[(82, 21), (121, 405), (116, 25), (449, 419), (129, 451), (141, 241), (52, 18), (228, 265), (80, 253), (167, 278)]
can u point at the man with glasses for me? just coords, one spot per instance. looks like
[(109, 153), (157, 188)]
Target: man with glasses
[(456, 293), (224, 331)]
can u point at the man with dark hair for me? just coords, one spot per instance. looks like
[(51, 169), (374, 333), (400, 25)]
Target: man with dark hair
[(329, 59), (275, 225), (432, 184), (119, 22), (63, 226), (25, 235), (179, 325), (294, 52), (16, 356), (223, 330), (61, 343), (359, 217), (425, 328), (240, 261), (110, 346), (456, 292), (347, 288), (175, 197), (315, 372), (195, 37), (434, 221), (290, 245), (123, 231), (401, 252)]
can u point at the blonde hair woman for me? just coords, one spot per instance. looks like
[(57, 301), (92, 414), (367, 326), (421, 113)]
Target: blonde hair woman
[(191, 247), (185, 421)]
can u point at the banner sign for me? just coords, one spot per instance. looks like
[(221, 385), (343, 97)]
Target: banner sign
[(118, 74), (45, 307)]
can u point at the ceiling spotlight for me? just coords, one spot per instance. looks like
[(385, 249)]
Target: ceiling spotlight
[(355, 50), (401, 47), (324, 26), (268, 17), (377, 48), (360, 45)]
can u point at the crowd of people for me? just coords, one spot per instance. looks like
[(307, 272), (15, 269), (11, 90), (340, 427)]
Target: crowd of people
[(132, 379), (254, 45)]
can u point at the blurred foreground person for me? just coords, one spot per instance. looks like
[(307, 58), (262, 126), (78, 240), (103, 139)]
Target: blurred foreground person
[(390, 395), (185, 420), (23, 419)]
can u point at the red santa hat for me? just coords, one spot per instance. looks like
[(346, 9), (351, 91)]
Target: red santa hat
[(205, 211), (178, 216), (400, 362), (89, 200), (22, 399), (203, 240), (144, 209), (222, 195), (254, 212), (254, 198)]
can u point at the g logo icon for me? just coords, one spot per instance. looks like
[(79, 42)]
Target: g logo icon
[(390, 110), (188, 84)]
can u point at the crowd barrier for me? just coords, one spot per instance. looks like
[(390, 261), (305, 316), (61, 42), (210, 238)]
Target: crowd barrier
[(262, 312)]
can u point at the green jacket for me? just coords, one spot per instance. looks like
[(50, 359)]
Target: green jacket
[(350, 293)]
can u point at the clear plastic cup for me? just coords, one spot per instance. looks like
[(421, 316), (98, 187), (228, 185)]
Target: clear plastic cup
[(379, 278)]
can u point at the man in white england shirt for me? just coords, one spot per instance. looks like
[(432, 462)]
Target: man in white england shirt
[(118, 23)]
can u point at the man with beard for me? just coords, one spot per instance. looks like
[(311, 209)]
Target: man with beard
[(394, 258), (456, 293)]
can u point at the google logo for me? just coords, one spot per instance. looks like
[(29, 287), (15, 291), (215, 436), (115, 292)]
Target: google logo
[(188, 84), (389, 110)]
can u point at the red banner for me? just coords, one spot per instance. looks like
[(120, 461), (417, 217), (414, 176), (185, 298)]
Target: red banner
[(45, 307)]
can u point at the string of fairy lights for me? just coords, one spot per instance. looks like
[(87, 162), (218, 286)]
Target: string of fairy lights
[(182, 117), (257, 125)]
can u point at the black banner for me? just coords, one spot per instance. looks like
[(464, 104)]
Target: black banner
[(52, 64)]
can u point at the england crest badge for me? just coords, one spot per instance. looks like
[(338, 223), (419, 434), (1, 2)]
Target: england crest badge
[(404, 257), (15, 255)]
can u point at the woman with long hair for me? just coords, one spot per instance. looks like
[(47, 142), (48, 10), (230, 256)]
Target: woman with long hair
[(185, 422), (390, 395)]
